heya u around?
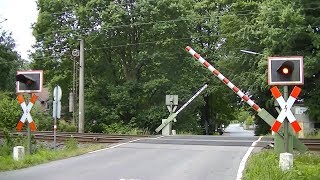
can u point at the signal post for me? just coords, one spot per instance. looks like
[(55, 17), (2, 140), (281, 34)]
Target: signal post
[(28, 82), (281, 71), (285, 71)]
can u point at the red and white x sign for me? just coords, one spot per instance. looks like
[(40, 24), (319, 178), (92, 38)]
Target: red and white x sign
[(26, 112), (286, 106)]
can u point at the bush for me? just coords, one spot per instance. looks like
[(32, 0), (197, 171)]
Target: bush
[(44, 121), (120, 128), (65, 126), (10, 111), (9, 142)]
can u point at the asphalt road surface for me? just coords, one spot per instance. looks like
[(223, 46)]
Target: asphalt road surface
[(159, 158)]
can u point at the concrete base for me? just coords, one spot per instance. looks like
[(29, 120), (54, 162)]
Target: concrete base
[(286, 161), (174, 132), (18, 153), (166, 130)]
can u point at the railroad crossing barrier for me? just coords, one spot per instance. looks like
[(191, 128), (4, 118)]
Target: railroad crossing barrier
[(266, 116)]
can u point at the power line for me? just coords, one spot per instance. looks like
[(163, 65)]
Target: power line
[(156, 22), (131, 44)]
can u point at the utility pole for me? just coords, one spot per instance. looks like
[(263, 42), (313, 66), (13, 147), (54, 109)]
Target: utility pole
[(81, 88)]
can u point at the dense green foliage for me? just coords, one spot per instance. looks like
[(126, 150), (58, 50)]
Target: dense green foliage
[(10, 111), (9, 61), (134, 56), (265, 165)]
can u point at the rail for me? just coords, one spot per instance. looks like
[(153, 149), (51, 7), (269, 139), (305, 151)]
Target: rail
[(312, 144), (80, 137)]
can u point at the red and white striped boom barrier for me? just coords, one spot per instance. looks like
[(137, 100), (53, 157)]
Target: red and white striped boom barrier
[(267, 117), (286, 106), (223, 79), (26, 112)]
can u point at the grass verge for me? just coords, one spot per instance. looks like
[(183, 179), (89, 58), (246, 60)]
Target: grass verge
[(44, 155), (265, 166)]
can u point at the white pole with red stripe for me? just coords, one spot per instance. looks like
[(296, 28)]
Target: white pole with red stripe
[(223, 79)]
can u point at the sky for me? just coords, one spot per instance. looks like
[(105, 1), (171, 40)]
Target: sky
[(17, 17)]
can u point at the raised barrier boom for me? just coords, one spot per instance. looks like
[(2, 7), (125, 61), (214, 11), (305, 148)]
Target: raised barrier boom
[(265, 115), (223, 79)]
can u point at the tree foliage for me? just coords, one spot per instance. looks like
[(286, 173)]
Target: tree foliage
[(10, 61), (134, 55), (10, 111)]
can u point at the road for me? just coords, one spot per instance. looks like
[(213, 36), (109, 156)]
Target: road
[(170, 157), (236, 130)]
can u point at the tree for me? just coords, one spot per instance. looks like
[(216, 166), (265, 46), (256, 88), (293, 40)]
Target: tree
[(134, 55), (272, 28), (10, 111), (131, 57), (10, 62)]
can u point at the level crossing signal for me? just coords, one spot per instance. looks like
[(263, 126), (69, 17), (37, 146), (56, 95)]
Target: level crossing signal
[(285, 70), (29, 81)]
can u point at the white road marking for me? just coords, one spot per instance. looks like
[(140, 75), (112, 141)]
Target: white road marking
[(205, 140), (156, 137), (245, 158), (117, 145)]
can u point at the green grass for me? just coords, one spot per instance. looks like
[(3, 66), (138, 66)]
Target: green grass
[(315, 135), (45, 155), (185, 133), (265, 166)]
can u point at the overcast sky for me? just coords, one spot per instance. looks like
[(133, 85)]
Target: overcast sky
[(20, 15)]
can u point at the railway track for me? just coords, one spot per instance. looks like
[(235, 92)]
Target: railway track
[(80, 137), (312, 144)]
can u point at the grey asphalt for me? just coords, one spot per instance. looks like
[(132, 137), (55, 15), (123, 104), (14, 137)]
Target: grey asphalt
[(170, 157), (238, 131)]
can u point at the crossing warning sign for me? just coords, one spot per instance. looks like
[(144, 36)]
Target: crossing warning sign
[(286, 106), (26, 112)]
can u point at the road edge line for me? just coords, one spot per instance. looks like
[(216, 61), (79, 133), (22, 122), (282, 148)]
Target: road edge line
[(117, 145), (245, 158)]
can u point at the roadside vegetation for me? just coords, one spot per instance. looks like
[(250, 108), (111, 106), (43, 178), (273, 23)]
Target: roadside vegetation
[(40, 153), (314, 135), (265, 165)]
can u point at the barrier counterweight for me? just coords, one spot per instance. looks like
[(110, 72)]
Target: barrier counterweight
[(223, 79)]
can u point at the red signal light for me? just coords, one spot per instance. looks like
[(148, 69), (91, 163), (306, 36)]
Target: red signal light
[(285, 70)]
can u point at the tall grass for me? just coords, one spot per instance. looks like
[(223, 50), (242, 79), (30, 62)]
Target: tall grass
[(265, 166)]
